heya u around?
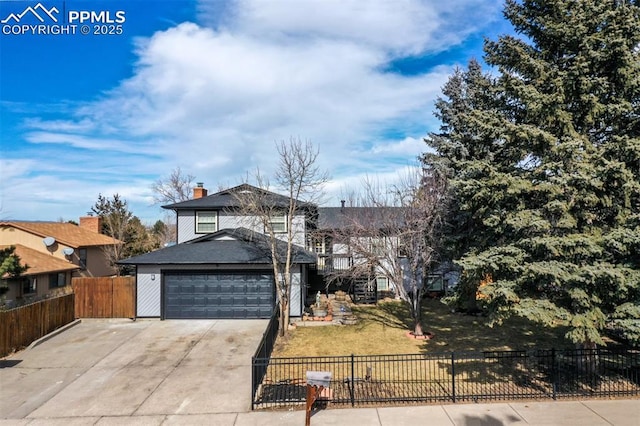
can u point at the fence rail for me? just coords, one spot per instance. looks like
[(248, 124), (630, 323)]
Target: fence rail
[(21, 326), (452, 377), (258, 370)]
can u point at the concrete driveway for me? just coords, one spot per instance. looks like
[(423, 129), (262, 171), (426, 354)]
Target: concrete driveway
[(120, 368)]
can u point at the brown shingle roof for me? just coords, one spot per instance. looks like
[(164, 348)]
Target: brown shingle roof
[(66, 233), (41, 263)]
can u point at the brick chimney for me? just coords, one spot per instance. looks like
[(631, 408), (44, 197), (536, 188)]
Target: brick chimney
[(199, 191), (91, 223)]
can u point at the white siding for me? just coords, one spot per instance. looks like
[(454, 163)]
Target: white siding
[(187, 225), (148, 291), (295, 309), (299, 231), (233, 220), (340, 249)]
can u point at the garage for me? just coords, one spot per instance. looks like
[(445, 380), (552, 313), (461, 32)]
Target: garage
[(224, 275), (218, 295)]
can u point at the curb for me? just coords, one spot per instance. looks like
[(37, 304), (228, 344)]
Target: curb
[(53, 333)]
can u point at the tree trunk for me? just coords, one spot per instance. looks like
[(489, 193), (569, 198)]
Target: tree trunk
[(285, 316), (417, 329), (416, 315), (284, 319)]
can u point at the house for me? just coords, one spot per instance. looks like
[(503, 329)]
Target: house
[(225, 274), (45, 274), (221, 266), (363, 250), (55, 252), (350, 243)]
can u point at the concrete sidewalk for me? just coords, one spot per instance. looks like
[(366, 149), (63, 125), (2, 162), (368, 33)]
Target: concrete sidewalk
[(558, 413)]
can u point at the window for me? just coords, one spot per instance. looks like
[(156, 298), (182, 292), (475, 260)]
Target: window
[(318, 245), (29, 286), (82, 256), (279, 223), (435, 283), (377, 246), (206, 222), (382, 283), (57, 280)]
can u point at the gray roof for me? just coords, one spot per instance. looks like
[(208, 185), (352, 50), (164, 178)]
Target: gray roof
[(229, 199), (336, 218), (246, 247)]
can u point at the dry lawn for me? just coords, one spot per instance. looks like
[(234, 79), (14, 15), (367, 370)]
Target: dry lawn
[(382, 329)]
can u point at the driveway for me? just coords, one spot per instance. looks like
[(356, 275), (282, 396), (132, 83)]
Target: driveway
[(114, 368)]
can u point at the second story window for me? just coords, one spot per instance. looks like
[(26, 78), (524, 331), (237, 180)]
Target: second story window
[(279, 223), (318, 245), (206, 222), (378, 246)]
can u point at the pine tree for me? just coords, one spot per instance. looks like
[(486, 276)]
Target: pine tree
[(544, 168), (10, 267)]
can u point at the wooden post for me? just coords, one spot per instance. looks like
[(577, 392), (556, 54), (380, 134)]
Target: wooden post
[(316, 382), (313, 392)]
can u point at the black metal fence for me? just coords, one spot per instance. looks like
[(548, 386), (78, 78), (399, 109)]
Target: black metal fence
[(451, 377), (259, 369)]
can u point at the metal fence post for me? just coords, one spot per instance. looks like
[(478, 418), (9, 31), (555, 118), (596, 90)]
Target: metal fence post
[(253, 383), (554, 374), (353, 387), (453, 376)]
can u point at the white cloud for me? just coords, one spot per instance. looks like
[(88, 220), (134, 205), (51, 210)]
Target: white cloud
[(397, 27), (347, 187), (223, 99), (84, 142), (406, 147), (213, 99)]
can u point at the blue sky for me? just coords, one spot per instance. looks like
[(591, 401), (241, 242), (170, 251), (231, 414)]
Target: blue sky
[(210, 86)]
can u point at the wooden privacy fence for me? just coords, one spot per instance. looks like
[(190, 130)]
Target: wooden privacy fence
[(104, 297), (21, 326)]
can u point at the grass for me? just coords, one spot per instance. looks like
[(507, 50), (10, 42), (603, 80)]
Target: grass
[(382, 329)]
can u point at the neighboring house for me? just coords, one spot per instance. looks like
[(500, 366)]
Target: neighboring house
[(221, 265), (45, 274), (55, 252)]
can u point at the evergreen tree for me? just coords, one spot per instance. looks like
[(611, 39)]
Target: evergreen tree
[(544, 168), (131, 235), (116, 217), (10, 267)]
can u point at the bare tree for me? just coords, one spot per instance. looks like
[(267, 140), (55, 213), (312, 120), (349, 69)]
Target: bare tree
[(283, 218), (174, 188), (392, 230), (170, 190)]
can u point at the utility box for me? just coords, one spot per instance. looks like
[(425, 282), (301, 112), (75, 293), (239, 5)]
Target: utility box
[(317, 382), (319, 378)]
